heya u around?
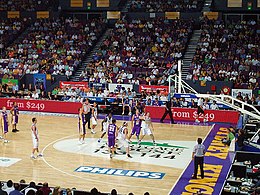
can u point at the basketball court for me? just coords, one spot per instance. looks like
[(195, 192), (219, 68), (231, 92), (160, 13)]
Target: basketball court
[(67, 163)]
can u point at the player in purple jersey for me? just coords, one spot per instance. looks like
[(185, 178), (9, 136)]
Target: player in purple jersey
[(136, 124), (14, 112), (112, 134), (82, 127), (4, 124)]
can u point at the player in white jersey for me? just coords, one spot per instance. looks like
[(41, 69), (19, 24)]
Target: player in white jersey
[(123, 139), (147, 127), (104, 125), (35, 139), (94, 117)]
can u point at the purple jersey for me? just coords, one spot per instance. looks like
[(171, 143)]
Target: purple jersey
[(15, 114), (137, 120), (16, 110), (111, 130), (4, 121)]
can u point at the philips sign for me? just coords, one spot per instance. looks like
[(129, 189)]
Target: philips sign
[(120, 172)]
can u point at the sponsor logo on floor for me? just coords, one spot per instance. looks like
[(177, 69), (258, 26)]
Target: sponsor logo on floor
[(175, 154), (217, 162), (7, 162), (120, 172)]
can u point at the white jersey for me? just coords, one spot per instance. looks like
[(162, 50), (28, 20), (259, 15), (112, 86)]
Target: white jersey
[(109, 120), (146, 122), (36, 130), (122, 139), (105, 126), (121, 133), (95, 112)]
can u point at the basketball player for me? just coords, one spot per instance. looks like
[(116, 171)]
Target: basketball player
[(4, 123), (35, 139), (123, 140), (146, 127), (14, 112), (136, 124), (104, 125), (87, 112), (82, 127), (112, 134), (94, 117), (126, 103), (200, 111)]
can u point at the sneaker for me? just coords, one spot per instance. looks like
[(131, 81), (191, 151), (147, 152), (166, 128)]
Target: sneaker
[(123, 113), (130, 113), (14, 131), (197, 121), (1, 137), (154, 144), (33, 157), (93, 132), (129, 156), (111, 156), (6, 141), (139, 142), (205, 120), (194, 177), (99, 140), (80, 142), (40, 155)]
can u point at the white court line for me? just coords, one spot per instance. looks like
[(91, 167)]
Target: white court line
[(190, 160), (98, 181)]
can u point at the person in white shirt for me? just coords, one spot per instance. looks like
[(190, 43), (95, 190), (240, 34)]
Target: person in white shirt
[(198, 157), (9, 187), (35, 95), (214, 106), (200, 110)]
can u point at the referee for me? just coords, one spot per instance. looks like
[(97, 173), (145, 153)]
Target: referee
[(168, 109), (198, 157)]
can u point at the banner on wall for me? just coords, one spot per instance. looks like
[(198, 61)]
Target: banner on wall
[(10, 82), (244, 92), (114, 86), (149, 88), (182, 114), (74, 85), (39, 79), (189, 114), (98, 85)]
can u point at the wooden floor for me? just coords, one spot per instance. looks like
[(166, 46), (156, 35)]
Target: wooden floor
[(58, 167)]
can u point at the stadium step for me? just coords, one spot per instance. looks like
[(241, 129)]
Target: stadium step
[(89, 56), (189, 54)]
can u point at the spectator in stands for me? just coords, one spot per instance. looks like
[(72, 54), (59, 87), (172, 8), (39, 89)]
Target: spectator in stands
[(56, 190), (16, 190), (32, 187), (2, 192), (214, 106), (45, 189), (113, 192), (229, 138), (240, 138), (10, 186)]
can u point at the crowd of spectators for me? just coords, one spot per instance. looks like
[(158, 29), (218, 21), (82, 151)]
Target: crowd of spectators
[(26, 5), (165, 5), (10, 29), (139, 52), (52, 46), (228, 52), (21, 188)]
